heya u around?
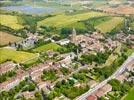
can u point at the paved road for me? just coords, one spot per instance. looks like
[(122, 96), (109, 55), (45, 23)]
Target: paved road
[(130, 60)]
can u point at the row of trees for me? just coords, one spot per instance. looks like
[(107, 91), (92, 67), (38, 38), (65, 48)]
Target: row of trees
[(5, 76)]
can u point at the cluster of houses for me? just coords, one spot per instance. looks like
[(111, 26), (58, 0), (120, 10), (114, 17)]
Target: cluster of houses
[(34, 73), (93, 42), (121, 37)]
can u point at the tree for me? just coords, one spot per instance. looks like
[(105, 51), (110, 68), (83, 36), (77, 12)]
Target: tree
[(66, 31), (37, 95), (116, 85), (31, 87)]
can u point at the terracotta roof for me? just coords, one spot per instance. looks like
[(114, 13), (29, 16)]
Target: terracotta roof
[(92, 97)]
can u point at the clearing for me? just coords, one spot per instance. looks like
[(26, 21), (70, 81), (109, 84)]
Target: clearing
[(17, 56), (10, 21), (46, 47), (5, 38)]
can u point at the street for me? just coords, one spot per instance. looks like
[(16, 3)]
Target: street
[(130, 61)]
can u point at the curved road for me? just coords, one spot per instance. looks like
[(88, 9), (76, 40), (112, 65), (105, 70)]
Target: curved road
[(128, 62)]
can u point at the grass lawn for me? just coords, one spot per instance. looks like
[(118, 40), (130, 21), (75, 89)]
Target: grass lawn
[(130, 95), (10, 21), (65, 20), (5, 38), (17, 56), (46, 47), (110, 24)]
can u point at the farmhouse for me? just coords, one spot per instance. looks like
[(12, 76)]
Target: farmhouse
[(7, 66)]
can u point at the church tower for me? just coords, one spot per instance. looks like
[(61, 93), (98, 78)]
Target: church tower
[(73, 37)]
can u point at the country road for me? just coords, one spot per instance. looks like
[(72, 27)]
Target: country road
[(128, 62)]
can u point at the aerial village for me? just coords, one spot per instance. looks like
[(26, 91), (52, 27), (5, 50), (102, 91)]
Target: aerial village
[(66, 49), (58, 69)]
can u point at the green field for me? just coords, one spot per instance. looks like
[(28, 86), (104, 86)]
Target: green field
[(5, 38), (64, 20), (130, 95), (10, 21), (109, 25), (46, 47), (17, 56)]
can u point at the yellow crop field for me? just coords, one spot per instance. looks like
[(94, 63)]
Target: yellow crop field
[(17, 56), (10, 21), (5, 38), (64, 20), (110, 24)]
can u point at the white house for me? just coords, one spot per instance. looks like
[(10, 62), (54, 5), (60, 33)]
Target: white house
[(64, 42)]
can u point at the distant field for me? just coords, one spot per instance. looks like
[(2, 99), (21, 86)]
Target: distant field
[(50, 46), (130, 95), (64, 20), (10, 21), (17, 56), (5, 38), (110, 24), (122, 9)]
